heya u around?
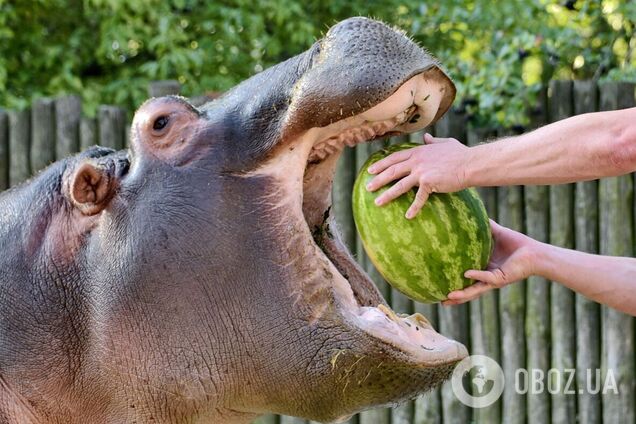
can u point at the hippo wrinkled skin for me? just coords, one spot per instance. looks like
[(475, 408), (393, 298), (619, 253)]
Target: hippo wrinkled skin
[(198, 277)]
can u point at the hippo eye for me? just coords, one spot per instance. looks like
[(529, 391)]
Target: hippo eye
[(160, 123)]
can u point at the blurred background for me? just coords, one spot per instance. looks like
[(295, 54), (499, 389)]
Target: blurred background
[(72, 72), (498, 52)]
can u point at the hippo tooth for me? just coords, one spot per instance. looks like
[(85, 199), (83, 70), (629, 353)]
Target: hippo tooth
[(369, 132), (389, 313), (378, 127), (334, 142), (350, 142), (360, 137), (330, 149), (421, 319)]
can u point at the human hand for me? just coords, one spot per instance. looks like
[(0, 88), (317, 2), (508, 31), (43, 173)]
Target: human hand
[(436, 167), (514, 258)]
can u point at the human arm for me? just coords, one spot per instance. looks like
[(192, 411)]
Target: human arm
[(609, 280), (582, 147)]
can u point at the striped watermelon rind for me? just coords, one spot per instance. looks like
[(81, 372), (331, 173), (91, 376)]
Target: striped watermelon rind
[(426, 257)]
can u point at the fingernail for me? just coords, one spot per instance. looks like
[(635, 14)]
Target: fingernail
[(371, 170), (369, 187), (378, 201), (408, 215)]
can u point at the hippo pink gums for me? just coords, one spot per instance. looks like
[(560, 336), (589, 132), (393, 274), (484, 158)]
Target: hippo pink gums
[(199, 277)]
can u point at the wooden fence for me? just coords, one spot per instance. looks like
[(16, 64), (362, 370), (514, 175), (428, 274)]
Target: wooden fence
[(534, 325)]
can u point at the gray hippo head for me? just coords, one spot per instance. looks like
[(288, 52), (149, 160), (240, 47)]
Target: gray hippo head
[(199, 276)]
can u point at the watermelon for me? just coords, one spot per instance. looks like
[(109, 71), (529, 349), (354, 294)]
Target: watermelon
[(426, 257)]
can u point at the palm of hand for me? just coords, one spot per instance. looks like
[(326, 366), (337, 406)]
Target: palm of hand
[(510, 260)]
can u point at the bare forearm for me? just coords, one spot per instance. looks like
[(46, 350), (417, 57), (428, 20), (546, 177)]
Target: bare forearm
[(583, 147), (609, 280)]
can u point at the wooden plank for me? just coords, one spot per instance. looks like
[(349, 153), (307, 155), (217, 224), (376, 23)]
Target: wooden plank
[(112, 122), (291, 420), (266, 419), (19, 146), (380, 415), (563, 328), (537, 209), (346, 172), (88, 133), (127, 130), (363, 152), (453, 321), (403, 413), (616, 238), (4, 150), (68, 112), (511, 313), (428, 408), (42, 134), (164, 88), (587, 312), (484, 311)]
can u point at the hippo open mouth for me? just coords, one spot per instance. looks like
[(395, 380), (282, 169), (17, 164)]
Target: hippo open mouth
[(416, 103)]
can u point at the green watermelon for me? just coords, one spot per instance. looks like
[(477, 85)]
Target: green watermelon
[(426, 257)]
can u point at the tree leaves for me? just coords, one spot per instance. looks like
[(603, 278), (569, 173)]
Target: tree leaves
[(109, 50)]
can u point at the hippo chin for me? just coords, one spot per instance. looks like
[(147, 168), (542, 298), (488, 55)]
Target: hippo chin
[(199, 276)]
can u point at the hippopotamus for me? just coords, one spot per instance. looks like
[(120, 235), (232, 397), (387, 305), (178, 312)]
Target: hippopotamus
[(198, 276)]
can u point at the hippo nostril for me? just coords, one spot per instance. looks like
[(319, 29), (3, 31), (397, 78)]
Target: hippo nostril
[(160, 123)]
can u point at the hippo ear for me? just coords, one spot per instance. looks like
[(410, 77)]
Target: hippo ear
[(91, 187)]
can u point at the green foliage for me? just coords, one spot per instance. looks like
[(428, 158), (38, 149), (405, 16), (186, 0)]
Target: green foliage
[(497, 52)]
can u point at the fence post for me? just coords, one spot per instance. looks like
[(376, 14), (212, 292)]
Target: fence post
[(284, 419), (68, 112), (453, 321), (588, 355), (4, 150), (428, 408), (342, 185), (484, 313), (512, 311), (266, 419), (537, 209), (88, 133), (19, 145), (616, 238), (42, 134), (363, 151), (112, 127), (402, 414), (562, 299)]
